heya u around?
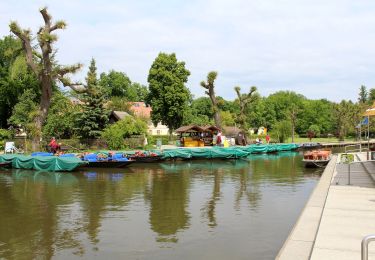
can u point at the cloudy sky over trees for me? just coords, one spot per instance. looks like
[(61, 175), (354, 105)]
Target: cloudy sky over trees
[(321, 49)]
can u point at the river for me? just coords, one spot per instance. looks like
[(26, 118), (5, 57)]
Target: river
[(235, 209)]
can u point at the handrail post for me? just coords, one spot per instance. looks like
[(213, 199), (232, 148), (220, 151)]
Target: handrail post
[(364, 246)]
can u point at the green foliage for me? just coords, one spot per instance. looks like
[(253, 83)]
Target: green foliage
[(282, 131), (93, 117), (371, 96), (125, 128), (5, 134), (227, 119), (15, 77), (118, 84), (25, 111), (316, 112), (168, 94), (314, 130), (119, 104), (346, 117), (362, 96), (61, 117)]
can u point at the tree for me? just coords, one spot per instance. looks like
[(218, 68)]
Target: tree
[(168, 95), (362, 96), (24, 112), (118, 84), (94, 117), (371, 95), (244, 101), (282, 130), (316, 112), (15, 77), (346, 116), (43, 64), (61, 117), (210, 86), (313, 131)]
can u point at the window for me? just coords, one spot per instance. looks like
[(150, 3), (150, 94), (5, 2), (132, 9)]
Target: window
[(158, 132)]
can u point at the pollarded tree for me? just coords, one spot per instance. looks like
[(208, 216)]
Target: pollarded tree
[(94, 117), (210, 86), (43, 64), (245, 100), (168, 95)]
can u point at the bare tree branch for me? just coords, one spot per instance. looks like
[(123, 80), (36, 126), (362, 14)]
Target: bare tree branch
[(47, 18), (24, 36)]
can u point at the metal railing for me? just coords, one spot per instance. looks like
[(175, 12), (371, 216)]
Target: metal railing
[(364, 246), (359, 149)]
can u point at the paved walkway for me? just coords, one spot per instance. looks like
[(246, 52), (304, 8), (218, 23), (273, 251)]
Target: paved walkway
[(339, 213), (349, 214)]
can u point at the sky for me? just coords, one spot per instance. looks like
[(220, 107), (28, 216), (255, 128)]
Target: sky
[(319, 48)]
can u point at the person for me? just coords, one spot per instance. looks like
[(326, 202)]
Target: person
[(218, 139), (268, 138), (53, 145)]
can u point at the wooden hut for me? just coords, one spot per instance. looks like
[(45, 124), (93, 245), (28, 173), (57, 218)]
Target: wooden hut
[(191, 136), (210, 131)]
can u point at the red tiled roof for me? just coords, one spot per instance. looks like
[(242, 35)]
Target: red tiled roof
[(140, 109)]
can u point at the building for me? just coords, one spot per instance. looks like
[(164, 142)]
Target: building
[(141, 110)]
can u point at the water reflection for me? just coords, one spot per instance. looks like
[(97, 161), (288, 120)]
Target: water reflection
[(86, 212)]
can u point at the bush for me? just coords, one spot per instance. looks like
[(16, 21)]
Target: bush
[(5, 134), (282, 131), (125, 128)]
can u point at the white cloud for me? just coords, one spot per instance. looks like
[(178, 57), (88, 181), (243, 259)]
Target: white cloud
[(322, 49)]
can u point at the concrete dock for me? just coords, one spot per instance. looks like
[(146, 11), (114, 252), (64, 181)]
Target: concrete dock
[(339, 213)]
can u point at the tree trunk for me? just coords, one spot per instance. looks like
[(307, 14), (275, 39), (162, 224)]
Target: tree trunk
[(44, 105)]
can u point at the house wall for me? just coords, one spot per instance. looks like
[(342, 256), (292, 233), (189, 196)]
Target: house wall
[(158, 130)]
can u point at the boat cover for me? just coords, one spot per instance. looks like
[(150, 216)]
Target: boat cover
[(226, 152), (47, 163)]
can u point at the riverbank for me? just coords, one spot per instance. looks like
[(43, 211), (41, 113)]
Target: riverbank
[(339, 213)]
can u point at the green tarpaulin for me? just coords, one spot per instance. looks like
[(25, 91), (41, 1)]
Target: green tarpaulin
[(226, 152), (46, 163)]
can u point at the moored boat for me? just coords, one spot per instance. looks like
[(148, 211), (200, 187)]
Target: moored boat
[(108, 164), (5, 164), (317, 158), (146, 157)]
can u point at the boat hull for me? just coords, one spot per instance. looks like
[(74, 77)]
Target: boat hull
[(108, 164), (147, 159), (315, 163), (5, 164)]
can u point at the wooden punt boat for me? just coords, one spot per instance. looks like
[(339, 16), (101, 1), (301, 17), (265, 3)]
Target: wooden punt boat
[(108, 164), (5, 164), (147, 159), (317, 158)]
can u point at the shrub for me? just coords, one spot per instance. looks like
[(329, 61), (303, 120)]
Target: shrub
[(5, 134), (125, 128)]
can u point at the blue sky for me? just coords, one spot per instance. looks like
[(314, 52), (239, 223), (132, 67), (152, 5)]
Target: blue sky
[(321, 49)]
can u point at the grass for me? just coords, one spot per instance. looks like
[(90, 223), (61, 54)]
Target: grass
[(318, 140)]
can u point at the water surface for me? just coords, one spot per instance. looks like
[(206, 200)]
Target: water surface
[(240, 209)]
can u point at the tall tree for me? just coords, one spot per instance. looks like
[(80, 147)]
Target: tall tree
[(168, 95), (43, 64), (362, 96), (244, 101), (15, 77), (371, 95), (94, 117), (210, 91)]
